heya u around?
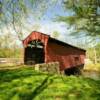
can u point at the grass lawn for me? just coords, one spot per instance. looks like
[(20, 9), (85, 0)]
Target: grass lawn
[(27, 84)]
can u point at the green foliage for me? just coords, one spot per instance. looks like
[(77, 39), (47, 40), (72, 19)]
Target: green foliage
[(27, 84), (10, 53), (9, 46), (91, 54), (91, 66), (15, 13), (85, 17), (97, 47), (55, 34)]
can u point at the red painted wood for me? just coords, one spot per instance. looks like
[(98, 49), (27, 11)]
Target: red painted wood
[(35, 36), (64, 54)]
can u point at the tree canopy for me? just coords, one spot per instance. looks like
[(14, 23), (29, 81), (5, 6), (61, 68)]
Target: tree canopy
[(85, 16), (14, 13)]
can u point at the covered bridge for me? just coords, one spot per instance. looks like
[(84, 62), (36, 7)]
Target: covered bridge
[(41, 48)]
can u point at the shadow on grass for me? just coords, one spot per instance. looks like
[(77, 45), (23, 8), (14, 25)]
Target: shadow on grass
[(7, 76), (38, 89)]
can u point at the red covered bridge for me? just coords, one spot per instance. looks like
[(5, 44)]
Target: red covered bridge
[(41, 48)]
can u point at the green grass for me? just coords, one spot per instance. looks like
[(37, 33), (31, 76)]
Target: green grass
[(27, 84)]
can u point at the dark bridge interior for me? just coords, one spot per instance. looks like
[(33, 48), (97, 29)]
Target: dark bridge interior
[(34, 52)]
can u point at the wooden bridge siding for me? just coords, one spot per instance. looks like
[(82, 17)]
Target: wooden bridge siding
[(64, 54)]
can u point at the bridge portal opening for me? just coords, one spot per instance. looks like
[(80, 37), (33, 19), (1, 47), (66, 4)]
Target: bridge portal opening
[(34, 53)]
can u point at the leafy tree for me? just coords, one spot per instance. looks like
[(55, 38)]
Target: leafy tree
[(8, 46), (14, 13), (93, 53), (55, 34), (97, 47), (85, 16)]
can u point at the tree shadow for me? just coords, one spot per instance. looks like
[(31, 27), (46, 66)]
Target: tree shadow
[(39, 88), (8, 76)]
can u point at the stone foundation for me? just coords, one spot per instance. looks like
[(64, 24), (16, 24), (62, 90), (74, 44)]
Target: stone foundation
[(48, 67)]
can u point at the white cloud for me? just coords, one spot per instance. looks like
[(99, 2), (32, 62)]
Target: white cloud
[(48, 27)]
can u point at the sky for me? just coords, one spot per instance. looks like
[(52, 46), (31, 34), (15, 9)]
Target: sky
[(46, 23)]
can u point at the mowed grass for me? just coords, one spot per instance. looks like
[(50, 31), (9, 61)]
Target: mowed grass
[(27, 84)]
